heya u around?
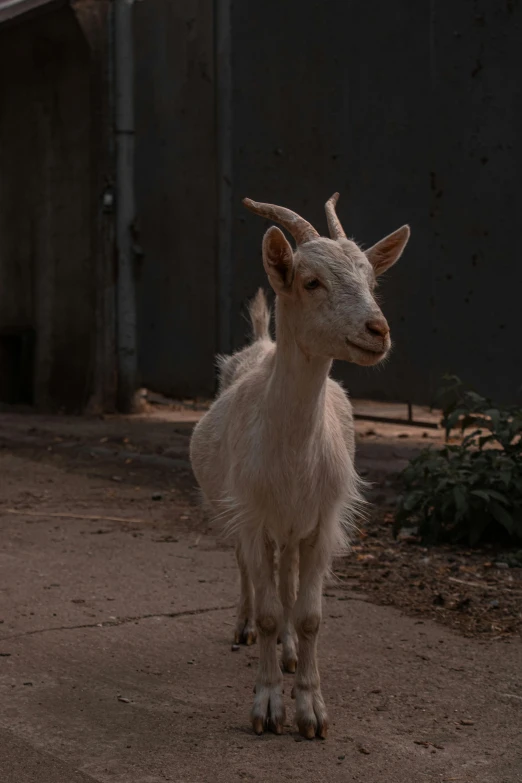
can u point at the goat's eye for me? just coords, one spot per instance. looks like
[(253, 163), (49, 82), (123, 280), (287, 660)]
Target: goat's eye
[(311, 285)]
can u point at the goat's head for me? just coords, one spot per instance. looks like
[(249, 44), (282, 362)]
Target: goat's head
[(327, 285)]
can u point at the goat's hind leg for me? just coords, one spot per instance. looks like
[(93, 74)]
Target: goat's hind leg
[(245, 632), (288, 574)]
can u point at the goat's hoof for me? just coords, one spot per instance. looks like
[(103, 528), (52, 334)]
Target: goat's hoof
[(268, 711), (322, 730), (275, 726), (307, 729), (289, 653), (311, 717), (258, 724), (245, 633)]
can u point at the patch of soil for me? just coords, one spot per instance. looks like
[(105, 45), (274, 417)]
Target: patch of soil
[(476, 592)]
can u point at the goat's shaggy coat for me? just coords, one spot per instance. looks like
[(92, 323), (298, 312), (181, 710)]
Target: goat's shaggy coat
[(274, 455)]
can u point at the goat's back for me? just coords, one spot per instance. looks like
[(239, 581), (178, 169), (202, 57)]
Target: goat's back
[(232, 368)]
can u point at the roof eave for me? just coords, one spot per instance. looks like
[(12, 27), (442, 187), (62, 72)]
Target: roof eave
[(11, 10)]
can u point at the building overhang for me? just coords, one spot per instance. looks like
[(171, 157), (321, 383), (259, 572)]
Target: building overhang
[(11, 10)]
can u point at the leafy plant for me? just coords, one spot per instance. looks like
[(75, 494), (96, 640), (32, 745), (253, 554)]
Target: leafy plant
[(472, 489)]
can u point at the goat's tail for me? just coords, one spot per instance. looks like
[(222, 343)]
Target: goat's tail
[(260, 315)]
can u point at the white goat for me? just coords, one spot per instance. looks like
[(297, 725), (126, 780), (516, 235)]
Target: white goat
[(274, 455)]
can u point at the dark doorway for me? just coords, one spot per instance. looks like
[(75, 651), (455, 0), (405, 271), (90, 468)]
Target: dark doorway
[(17, 367)]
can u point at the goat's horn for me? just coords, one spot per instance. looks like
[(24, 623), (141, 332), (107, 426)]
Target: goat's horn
[(301, 230), (334, 224)]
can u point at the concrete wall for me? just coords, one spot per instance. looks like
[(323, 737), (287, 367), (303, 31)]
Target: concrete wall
[(176, 195), (413, 114), (48, 233)]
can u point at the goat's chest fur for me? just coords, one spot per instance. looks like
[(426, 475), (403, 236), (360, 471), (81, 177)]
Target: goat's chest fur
[(288, 476), (269, 461)]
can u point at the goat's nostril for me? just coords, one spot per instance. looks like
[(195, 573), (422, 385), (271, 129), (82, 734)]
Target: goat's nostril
[(378, 327)]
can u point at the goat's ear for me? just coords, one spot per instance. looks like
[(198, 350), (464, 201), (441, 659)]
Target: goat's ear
[(385, 253), (278, 260)]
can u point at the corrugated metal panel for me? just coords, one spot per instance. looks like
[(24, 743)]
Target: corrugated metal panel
[(176, 195)]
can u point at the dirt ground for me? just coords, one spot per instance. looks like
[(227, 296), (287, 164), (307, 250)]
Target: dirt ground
[(477, 592), (117, 603)]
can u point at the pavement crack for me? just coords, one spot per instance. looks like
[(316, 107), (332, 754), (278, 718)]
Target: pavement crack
[(119, 621)]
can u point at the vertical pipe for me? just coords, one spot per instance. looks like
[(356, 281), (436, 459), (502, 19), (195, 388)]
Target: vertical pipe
[(124, 141), (224, 171), (97, 24), (45, 260)]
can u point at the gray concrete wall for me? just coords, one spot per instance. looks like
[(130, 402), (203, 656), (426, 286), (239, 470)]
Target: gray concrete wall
[(176, 193), (48, 241), (413, 113)]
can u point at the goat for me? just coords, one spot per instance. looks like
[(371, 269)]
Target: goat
[(274, 454)]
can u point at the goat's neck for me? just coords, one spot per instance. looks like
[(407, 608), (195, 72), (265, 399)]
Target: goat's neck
[(297, 390)]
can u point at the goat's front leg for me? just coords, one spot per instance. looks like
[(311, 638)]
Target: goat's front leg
[(268, 710), (245, 632), (311, 714), (288, 573)]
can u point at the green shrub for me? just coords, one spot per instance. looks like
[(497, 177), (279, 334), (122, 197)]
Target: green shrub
[(472, 490)]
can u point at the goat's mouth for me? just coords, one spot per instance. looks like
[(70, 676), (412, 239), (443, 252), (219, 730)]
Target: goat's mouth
[(366, 355)]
